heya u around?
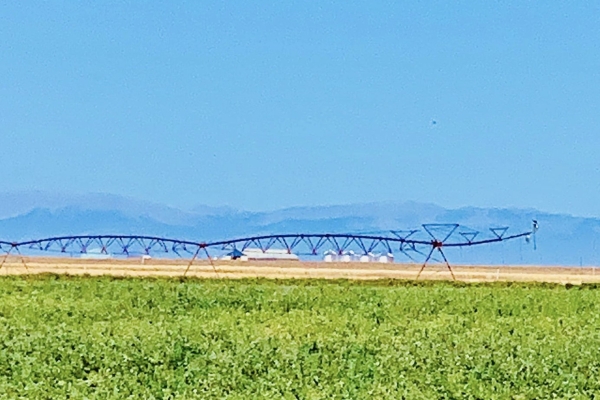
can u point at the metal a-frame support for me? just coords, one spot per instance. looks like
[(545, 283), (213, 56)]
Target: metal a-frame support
[(202, 246), (16, 248), (436, 245)]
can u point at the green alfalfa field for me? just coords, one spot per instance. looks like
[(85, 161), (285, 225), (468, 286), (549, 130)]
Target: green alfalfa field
[(103, 338)]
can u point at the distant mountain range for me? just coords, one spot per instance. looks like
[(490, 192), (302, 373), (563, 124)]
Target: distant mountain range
[(561, 240)]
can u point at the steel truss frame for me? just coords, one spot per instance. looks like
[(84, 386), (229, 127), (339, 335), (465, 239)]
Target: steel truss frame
[(406, 243)]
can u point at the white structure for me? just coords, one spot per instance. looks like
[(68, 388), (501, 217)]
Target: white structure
[(350, 256), (330, 256), (346, 256), (370, 257), (387, 258), (95, 254), (270, 254)]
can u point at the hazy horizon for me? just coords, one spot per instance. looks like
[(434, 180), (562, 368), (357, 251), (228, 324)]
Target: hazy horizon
[(67, 196)]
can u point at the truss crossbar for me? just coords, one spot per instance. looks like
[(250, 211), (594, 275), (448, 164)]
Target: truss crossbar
[(404, 243)]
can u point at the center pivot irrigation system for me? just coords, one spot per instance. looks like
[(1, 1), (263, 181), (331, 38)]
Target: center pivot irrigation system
[(425, 243)]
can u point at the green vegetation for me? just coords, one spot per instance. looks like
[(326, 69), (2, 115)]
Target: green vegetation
[(152, 338)]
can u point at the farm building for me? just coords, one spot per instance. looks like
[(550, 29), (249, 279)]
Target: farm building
[(350, 256), (95, 254), (258, 254)]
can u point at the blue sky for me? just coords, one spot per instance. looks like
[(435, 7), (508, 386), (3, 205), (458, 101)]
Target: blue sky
[(276, 104)]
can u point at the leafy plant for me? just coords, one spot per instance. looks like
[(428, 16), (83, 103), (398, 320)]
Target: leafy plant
[(102, 338)]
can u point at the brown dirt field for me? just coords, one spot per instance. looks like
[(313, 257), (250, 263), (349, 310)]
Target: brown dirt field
[(294, 269)]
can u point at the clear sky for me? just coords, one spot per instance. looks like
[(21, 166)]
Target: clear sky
[(276, 104)]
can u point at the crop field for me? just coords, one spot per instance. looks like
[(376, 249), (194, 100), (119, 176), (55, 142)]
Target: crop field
[(103, 337), (134, 267)]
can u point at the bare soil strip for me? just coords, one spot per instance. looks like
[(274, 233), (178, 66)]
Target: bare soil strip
[(287, 269)]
